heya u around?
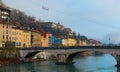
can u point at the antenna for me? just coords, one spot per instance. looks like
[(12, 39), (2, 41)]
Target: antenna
[(109, 40)]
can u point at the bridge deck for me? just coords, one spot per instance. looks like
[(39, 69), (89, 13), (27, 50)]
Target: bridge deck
[(72, 47)]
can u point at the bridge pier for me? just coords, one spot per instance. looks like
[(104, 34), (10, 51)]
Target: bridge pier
[(118, 60), (61, 59)]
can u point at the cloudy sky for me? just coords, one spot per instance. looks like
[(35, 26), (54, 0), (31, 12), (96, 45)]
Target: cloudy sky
[(98, 19)]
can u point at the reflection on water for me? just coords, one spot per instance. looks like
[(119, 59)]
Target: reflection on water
[(103, 63)]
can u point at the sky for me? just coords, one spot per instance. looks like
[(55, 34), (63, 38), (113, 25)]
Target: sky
[(97, 19)]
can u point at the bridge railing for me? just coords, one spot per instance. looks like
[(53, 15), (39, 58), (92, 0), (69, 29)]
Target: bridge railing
[(71, 47)]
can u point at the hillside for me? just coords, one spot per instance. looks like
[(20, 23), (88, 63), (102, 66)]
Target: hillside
[(30, 22)]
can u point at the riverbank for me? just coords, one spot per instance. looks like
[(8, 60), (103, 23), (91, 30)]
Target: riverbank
[(8, 61)]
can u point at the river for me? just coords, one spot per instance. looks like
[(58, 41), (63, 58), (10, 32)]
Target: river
[(104, 63)]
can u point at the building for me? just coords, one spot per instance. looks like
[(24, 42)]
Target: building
[(93, 42), (54, 25), (9, 32), (21, 37), (4, 14), (51, 40), (36, 39), (69, 32), (84, 43), (71, 42), (45, 39), (5, 27), (5, 33), (65, 42), (58, 41)]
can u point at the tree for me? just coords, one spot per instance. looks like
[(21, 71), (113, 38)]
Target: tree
[(9, 51), (74, 35), (84, 38), (78, 36)]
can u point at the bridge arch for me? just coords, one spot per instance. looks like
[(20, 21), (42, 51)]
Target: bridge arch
[(32, 54), (70, 57)]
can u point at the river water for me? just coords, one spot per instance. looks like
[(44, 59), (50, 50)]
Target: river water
[(104, 63)]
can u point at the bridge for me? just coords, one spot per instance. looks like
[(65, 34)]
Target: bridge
[(65, 55)]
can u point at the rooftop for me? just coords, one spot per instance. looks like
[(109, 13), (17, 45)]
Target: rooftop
[(3, 7)]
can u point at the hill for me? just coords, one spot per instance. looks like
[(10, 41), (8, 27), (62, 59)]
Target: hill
[(57, 29)]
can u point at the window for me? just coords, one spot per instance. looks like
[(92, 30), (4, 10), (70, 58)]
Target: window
[(7, 26), (3, 25), (6, 31), (10, 38), (7, 37), (18, 43), (3, 37)]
